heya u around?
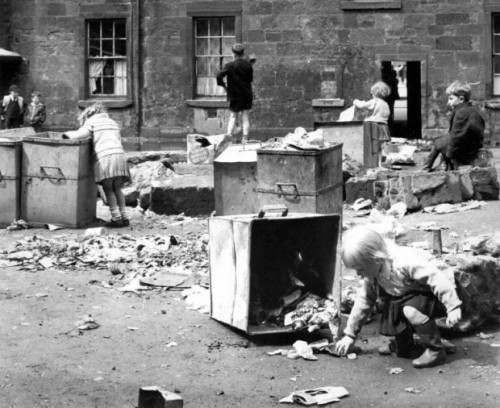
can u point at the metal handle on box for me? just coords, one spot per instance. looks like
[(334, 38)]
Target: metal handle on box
[(277, 207), (58, 170), (281, 192)]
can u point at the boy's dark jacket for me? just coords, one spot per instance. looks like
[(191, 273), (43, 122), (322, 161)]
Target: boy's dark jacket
[(466, 133)]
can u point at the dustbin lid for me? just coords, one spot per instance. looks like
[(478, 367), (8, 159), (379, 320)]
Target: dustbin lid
[(239, 154)]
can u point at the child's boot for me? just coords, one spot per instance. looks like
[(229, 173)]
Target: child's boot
[(116, 218), (124, 216), (403, 345), (434, 353)]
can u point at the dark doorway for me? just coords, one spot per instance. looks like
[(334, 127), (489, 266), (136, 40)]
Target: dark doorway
[(403, 77)]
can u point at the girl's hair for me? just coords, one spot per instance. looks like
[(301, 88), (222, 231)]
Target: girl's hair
[(91, 111), (362, 245), (36, 93), (380, 89), (459, 89)]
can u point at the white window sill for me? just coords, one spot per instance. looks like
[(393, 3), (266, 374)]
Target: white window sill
[(207, 103), (370, 5)]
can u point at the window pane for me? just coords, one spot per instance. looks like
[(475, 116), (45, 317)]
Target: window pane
[(496, 24), (109, 85), (496, 44), (214, 46), (120, 31), (227, 43), (201, 46), (109, 68), (202, 68), (94, 29), (496, 85), (214, 66), (496, 60), (228, 27), (107, 48), (121, 47), (202, 27), (107, 28), (214, 27), (225, 60), (94, 48)]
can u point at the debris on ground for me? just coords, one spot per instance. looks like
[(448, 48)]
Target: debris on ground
[(396, 370), (18, 225), (450, 208), (412, 390), (197, 298), (316, 396)]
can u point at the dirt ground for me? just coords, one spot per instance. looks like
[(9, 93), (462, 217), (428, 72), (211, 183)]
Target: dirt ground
[(154, 339)]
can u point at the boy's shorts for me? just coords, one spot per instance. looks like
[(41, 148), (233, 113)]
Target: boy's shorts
[(239, 105)]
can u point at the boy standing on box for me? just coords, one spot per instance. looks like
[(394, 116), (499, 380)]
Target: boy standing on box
[(12, 108), (239, 77), (35, 113)]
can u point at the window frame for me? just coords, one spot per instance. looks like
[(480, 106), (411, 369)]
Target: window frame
[(101, 12), (494, 54), (199, 10), (126, 58), (220, 57)]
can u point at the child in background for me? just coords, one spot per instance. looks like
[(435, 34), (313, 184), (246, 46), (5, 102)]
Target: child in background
[(376, 123), (110, 165), (12, 108), (35, 113), (413, 293), (466, 130)]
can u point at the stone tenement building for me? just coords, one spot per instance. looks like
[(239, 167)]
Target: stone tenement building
[(153, 62)]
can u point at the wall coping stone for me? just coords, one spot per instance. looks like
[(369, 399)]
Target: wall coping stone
[(328, 103)]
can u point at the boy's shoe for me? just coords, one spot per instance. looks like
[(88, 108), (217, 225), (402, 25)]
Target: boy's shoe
[(434, 353), (430, 358), (126, 222)]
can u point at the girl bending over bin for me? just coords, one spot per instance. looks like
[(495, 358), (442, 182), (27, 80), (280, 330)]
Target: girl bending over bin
[(412, 293), (110, 165)]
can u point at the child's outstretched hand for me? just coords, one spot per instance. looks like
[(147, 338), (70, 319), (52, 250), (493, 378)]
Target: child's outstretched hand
[(344, 345), (454, 317)]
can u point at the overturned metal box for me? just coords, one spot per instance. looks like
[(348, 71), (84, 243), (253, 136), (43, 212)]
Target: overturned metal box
[(253, 256)]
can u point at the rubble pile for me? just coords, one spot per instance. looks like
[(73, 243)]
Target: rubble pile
[(121, 254)]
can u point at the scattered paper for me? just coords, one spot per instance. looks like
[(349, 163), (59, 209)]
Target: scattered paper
[(316, 396), (396, 370)]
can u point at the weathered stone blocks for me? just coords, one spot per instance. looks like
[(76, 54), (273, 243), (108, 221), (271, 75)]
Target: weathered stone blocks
[(421, 189)]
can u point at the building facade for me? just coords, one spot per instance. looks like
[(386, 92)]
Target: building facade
[(153, 62)]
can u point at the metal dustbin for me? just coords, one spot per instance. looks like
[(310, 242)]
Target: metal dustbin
[(235, 180), (302, 180), (10, 180), (57, 181), (252, 259), (350, 134)]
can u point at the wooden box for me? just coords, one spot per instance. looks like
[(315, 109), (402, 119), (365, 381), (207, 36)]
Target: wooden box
[(252, 259), (304, 181)]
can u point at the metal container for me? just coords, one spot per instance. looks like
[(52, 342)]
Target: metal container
[(10, 180), (350, 134), (252, 258), (57, 181), (18, 132), (235, 180), (304, 181)]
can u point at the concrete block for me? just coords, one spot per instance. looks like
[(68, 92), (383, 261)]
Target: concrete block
[(466, 187), (192, 195), (422, 182), (359, 187), (155, 397)]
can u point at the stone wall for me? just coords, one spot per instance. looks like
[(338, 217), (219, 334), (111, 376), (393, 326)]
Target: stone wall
[(421, 189), (306, 50)]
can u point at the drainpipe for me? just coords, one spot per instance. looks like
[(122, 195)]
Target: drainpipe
[(137, 67)]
